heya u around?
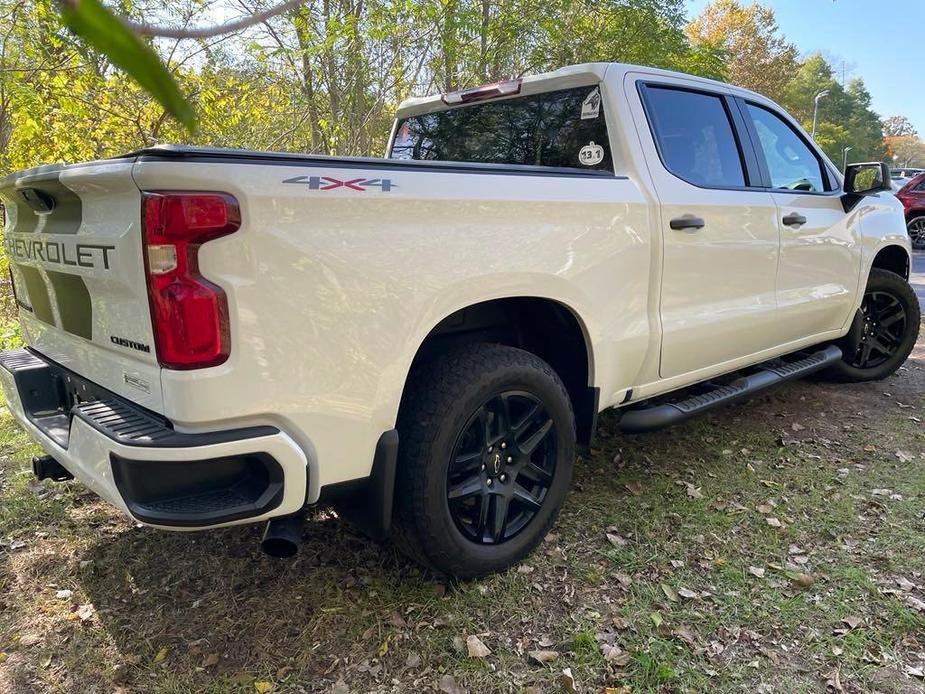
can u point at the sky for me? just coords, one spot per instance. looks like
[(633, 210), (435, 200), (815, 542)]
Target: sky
[(877, 41)]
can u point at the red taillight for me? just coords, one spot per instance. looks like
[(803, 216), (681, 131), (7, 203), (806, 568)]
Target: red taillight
[(190, 314)]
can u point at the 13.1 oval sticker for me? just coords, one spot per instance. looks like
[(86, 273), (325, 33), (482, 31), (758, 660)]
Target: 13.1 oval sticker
[(591, 154)]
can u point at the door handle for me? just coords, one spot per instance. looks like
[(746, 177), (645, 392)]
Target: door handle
[(794, 220), (687, 222)]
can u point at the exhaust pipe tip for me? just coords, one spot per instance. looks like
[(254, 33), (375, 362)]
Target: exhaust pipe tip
[(283, 536)]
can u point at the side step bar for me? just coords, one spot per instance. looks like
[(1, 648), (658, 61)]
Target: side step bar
[(638, 421)]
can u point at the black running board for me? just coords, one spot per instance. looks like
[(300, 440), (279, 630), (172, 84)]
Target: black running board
[(638, 421)]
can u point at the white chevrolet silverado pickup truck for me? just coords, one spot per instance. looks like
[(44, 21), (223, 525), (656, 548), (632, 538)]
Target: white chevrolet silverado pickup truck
[(218, 337)]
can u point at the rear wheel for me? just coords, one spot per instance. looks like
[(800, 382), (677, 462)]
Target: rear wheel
[(916, 228), (886, 333), (487, 444)]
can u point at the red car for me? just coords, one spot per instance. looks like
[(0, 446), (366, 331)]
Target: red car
[(912, 196)]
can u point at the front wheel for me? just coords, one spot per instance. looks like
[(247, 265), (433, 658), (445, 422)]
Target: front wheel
[(487, 446), (886, 333), (916, 229)]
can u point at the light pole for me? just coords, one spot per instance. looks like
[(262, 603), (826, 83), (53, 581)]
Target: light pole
[(824, 92), (845, 164)]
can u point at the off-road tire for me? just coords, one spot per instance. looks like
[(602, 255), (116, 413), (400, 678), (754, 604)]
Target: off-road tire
[(440, 399), (890, 283)]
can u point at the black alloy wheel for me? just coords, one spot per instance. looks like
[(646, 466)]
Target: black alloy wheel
[(882, 332), (916, 229), (485, 457), (502, 466)]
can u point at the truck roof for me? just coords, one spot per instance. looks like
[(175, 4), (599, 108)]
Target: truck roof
[(565, 77)]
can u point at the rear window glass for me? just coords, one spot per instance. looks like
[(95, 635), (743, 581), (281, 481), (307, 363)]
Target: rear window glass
[(563, 128), (694, 137)]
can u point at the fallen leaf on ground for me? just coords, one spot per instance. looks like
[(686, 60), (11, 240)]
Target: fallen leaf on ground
[(773, 522), (616, 540), (692, 491), (686, 634), (160, 656), (669, 592), (833, 681), (756, 571), (687, 593), (567, 681), (852, 622), (543, 657), (263, 687), (448, 685), (210, 660), (476, 648), (634, 488), (85, 612), (615, 655), (916, 672)]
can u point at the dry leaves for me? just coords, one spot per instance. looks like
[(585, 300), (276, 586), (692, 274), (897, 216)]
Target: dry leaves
[(448, 685), (476, 648), (542, 657), (669, 592), (634, 488), (615, 655)]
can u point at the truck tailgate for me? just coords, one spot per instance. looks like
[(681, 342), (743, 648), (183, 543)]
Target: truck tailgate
[(74, 241)]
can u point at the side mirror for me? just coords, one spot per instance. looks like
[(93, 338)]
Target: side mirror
[(864, 179)]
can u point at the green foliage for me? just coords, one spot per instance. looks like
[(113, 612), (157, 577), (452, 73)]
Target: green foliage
[(327, 76), (97, 26), (845, 117)]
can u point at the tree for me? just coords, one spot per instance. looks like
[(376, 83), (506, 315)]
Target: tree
[(757, 57), (908, 150), (898, 126), (845, 116)]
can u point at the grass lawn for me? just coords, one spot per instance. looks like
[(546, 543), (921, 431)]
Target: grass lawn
[(776, 546)]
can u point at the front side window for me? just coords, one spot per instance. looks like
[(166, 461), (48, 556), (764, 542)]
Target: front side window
[(792, 165), (695, 137), (565, 128)]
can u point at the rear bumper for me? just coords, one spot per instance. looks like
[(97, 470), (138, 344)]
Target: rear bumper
[(135, 460)]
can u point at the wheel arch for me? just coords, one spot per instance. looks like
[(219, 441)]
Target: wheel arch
[(894, 258), (546, 327)]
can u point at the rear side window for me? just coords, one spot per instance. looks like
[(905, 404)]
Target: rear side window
[(791, 163), (694, 137), (564, 128)]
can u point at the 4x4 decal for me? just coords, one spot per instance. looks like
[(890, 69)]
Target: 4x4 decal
[(329, 183)]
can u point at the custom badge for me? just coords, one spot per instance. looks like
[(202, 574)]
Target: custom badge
[(591, 105), (591, 154)]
